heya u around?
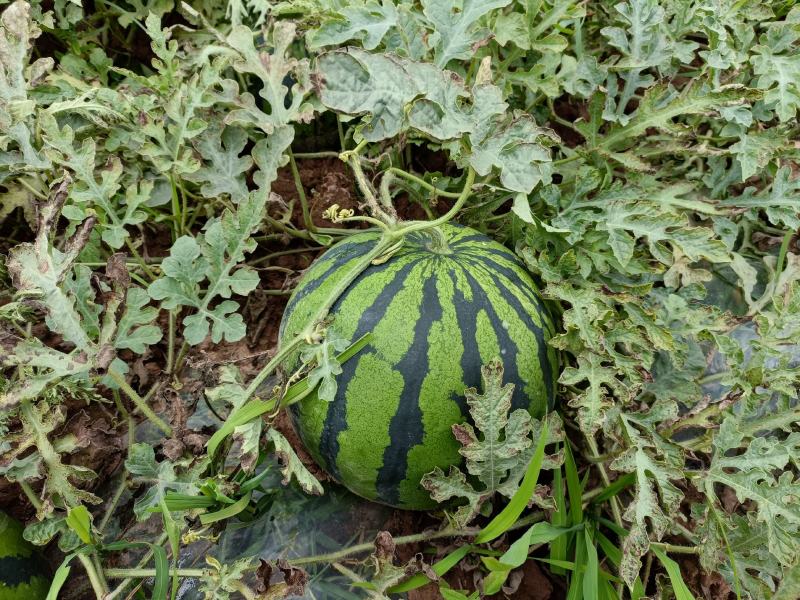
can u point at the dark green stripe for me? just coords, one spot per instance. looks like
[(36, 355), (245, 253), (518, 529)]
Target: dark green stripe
[(336, 419), (16, 570), (483, 257), (471, 239), (519, 399), (467, 315), (527, 319), (405, 429)]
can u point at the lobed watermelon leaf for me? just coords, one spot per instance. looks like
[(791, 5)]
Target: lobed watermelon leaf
[(212, 258), (497, 448)]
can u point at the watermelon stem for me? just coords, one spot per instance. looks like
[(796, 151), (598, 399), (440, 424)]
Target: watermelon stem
[(424, 184), (140, 403), (352, 158), (423, 225), (448, 532)]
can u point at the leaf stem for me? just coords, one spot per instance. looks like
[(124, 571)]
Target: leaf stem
[(352, 158), (421, 225), (140, 573), (121, 487), (171, 342), (138, 258), (673, 549), (126, 578), (422, 183), (604, 475), (31, 495), (177, 219), (119, 379), (273, 364), (301, 193), (94, 579)]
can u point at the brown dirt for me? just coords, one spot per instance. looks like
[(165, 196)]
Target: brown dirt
[(326, 181), (569, 111), (709, 586), (534, 584)]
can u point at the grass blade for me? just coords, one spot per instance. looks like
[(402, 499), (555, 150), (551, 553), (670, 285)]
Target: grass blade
[(590, 577), (574, 487), (227, 512), (560, 518), (674, 571), (519, 501)]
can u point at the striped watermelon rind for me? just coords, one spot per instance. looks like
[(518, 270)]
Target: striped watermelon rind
[(436, 316), (22, 570)]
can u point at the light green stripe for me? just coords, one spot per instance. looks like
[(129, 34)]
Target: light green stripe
[(488, 345), (361, 456), (444, 379), (368, 411), (11, 541)]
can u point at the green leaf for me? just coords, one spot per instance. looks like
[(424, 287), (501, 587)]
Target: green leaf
[(59, 579), (499, 450), (519, 501), (286, 104), (64, 481), (269, 155), (778, 72), (656, 462), (80, 521), (591, 581), (224, 580), (517, 554), (212, 257), (594, 401), (228, 512), (46, 368), (136, 330), (673, 570), (291, 467), (643, 43), (660, 105), (512, 27), (17, 34), (455, 26), (89, 196), (780, 202), (325, 364), (514, 148), (223, 170), (758, 475), (159, 478), (755, 151), (38, 269), (368, 24), (398, 94)]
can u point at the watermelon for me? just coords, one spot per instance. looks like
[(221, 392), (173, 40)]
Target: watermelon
[(437, 312), (23, 573)]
